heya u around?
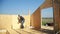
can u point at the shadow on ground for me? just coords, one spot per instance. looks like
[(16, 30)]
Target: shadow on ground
[(46, 31)]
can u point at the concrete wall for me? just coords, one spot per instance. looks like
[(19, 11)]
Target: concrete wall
[(36, 19)]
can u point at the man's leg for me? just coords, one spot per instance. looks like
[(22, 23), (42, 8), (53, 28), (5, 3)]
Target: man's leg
[(22, 26)]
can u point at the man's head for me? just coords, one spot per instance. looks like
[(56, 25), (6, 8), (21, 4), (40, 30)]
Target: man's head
[(18, 15)]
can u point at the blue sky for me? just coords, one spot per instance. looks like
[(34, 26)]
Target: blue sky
[(21, 6), (48, 12)]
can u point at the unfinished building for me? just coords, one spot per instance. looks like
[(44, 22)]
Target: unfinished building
[(7, 22), (36, 16)]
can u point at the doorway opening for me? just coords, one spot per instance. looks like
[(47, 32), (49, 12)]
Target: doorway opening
[(47, 24)]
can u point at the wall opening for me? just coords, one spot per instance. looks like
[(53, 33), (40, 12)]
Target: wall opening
[(47, 19)]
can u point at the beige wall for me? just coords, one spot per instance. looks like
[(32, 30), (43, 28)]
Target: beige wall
[(15, 24), (15, 21), (8, 22), (27, 20), (11, 21), (5, 21)]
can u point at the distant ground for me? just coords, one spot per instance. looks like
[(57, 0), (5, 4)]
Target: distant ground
[(46, 20)]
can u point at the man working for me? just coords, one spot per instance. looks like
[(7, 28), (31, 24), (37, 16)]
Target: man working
[(21, 20)]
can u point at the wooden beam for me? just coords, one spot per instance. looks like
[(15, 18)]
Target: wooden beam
[(46, 4)]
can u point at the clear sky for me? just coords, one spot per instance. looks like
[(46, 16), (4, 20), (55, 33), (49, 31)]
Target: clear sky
[(48, 12), (21, 6)]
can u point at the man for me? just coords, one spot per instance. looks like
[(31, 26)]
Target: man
[(21, 20)]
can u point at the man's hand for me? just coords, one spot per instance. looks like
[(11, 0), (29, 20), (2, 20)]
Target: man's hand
[(18, 22)]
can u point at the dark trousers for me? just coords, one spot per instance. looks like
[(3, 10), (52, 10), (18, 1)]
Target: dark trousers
[(22, 24)]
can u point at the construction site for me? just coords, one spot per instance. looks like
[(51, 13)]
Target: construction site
[(32, 25)]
